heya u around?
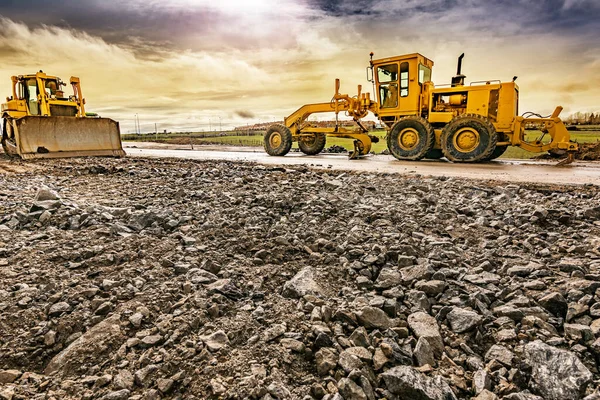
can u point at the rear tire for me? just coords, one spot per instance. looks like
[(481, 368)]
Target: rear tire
[(315, 145), (411, 138), (469, 138), (277, 140)]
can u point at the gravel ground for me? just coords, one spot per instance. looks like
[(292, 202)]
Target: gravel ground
[(150, 279)]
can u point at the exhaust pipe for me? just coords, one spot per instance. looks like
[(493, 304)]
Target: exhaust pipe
[(459, 79), (460, 58)]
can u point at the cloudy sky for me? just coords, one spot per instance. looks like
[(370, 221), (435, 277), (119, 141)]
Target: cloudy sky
[(185, 64)]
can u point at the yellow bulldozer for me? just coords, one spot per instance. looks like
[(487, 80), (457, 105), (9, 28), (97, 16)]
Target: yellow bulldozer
[(40, 121), (463, 123)]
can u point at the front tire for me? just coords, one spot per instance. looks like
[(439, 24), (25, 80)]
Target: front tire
[(498, 151), (411, 138), (314, 145), (469, 138), (277, 140)]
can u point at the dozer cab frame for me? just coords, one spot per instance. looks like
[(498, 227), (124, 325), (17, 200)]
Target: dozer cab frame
[(40, 121), (463, 123)]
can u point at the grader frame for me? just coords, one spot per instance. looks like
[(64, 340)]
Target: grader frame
[(463, 123)]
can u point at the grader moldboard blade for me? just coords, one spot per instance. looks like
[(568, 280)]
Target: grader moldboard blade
[(57, 137)]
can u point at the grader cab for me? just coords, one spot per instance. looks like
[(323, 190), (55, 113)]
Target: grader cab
[(463, 123), (41, 121)]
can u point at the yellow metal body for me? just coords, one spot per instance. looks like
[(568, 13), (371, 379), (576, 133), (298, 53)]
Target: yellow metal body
[(497, 101), (40, 121), (403, 88), (357, 107)]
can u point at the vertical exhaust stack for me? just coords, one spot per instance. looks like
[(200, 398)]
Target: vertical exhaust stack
[(459, 79)]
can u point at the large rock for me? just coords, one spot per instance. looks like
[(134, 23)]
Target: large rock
[(350, 390), (371, 317), (556, 374), (93, 347), (425, 326), (500, 354), (462, 320), (326, 360), (388, 278), (301, 284), (45, 194), (555, 303), (407, 383)]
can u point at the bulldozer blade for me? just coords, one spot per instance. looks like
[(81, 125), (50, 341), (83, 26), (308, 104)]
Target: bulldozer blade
[(57, 137)]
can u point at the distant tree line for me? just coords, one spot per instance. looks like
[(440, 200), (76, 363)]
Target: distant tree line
[(580, 118)]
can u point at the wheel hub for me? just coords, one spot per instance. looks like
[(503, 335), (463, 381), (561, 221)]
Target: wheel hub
[(408, 139), (466, 140), (275, 140)]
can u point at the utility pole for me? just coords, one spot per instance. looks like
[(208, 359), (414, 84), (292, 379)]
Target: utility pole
[(156, 131), (220, 128)]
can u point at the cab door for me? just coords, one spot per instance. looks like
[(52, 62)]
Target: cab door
[(31, 93)]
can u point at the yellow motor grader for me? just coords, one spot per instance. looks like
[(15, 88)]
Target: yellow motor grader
[(40, 121), (463, 123)]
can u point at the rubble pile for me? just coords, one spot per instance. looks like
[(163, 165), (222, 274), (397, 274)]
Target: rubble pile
[(149, 279)]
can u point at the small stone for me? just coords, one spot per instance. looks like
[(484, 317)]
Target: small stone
[(462, 320), (274, 332), (9, 375), (217, 387), (500, 354), (481, 381), (151, 340), (349, 361), (578, 332), (423, 353), (122, 394), (59, 308), (371, 317), (164, 385), (379, 359), (431, 288), (104, 308), (350, 390), (50, 338), (293, 344), (215, 341), (325, 360), (407, 383), (143, 376), (123, 380), (555, 303), (425, 326), (136, 319), (301, 284)]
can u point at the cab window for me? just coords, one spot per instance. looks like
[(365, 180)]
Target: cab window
[(32, 89), (387, 73), (404, 79), (388, 94), (424, 74)]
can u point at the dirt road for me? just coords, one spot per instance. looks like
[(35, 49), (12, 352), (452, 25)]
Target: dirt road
[(506, 170)]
